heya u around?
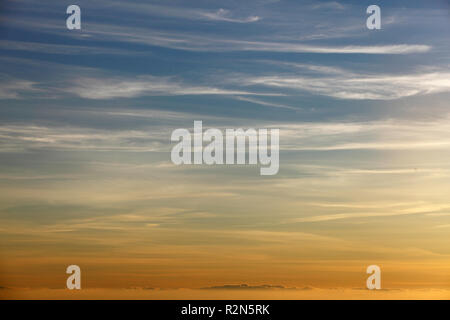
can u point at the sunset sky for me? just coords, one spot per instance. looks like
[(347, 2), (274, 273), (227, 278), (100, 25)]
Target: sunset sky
[(86, 176)]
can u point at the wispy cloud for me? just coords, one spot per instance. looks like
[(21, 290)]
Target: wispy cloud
[(21, 138), (339, 216), (265, 103), (318, 136), (109, 88), (183, 13), (15, 88), (61, 48), (205, 42), (245, 286), (342, 84), (225, 15), (443, 226), (370, 135)]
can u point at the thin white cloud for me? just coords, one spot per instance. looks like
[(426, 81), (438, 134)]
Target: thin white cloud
[(15, 88), (185, 13), (293, 47), (319, 136), (265, 103), (110, 88), (60, 48), (342, 84), (370, 135), (413, 210), (334, 5), (206, 43), (225, 15), (16, 138)]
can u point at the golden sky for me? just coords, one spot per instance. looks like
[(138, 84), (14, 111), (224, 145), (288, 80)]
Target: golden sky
[(86, 177)]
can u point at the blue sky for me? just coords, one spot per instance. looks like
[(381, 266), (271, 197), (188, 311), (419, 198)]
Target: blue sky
[(143, 65), (227, 59)]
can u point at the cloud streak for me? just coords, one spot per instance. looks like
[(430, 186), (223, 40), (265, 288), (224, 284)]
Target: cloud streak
[(56, 48), (370, 135), (225, 15), (317, 136), (104, 88), (342, 84), (204, 42), (15, 88), (265, 103), (184, 13), (339, 216)]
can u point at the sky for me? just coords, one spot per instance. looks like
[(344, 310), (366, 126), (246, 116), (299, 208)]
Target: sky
[(86, 177)]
